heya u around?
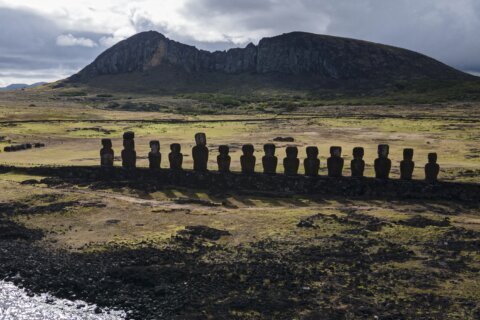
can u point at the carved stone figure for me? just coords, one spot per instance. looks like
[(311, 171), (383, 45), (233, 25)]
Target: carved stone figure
[(335, 162), (129, 156), (291, 162), (407, 165), (106, 154), (432, 169), (175, 157), (223, 159), (357, 165), (247, 160), (200, 153), (154, 156), (311, 163), (269, 160), (382, 163)]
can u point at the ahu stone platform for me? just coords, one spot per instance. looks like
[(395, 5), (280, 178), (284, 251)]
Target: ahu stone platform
[(267, 182), (262, 184)]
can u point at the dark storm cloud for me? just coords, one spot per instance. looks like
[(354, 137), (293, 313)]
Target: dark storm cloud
[(444, 29)]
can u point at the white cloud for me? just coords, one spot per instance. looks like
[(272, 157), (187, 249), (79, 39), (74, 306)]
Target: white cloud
[(68, 40), (9, 76), (475, 73)]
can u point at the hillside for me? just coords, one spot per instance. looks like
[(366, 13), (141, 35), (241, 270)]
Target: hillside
[(150, 62), (19, 86)]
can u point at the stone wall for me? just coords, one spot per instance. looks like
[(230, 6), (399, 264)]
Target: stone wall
[(265, 184)]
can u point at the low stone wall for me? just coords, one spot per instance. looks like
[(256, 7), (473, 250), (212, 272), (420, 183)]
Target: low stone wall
[(264, 184)]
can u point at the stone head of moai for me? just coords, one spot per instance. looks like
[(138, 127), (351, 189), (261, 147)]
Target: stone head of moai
[(128, 140), (107, 143), (311, 163), (335, 162), (407, 165), (223, 159), (382, 163), (269, 149), (175, 157), (291, 162), (247, 160), (312, 152), (383, 150), (223, 150), (154, 146), (408, 154), (335, 151), (292, 152), (248, 149), (357, 165), (200, 139), (358, 153), (432, 169), (175, 148)]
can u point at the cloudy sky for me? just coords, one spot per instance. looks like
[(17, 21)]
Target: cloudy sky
[(45, 40)]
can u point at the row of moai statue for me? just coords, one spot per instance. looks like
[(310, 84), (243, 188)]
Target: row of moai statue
[(291, 163)]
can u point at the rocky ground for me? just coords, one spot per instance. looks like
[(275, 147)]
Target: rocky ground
[(349, 265), (177, 253)]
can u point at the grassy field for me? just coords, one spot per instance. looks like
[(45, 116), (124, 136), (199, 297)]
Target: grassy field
[(419, 258), (452, 130)]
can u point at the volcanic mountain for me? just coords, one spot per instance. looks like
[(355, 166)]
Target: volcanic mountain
[(149, 61)]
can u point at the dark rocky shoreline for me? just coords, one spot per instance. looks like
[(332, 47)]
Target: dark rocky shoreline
[(192, 277)]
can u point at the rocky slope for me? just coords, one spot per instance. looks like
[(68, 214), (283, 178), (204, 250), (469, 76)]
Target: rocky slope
[(295, 58)]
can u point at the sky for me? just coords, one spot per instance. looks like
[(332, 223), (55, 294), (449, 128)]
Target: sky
[(47, 40)]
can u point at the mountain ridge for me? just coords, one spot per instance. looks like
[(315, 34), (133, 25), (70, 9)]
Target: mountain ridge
[(296, 59), (19, 86)]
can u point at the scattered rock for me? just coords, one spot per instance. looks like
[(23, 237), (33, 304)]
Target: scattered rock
[(113, 221), (30, 182), (203, 232), (202, 202), (96, 129), (419, 221), (284, 139), (306, 223)]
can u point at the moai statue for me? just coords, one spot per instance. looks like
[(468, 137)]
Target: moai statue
[(154, 156), (382, 163), (200, 152), (357, 165), (223, 159), (129, 156), (407, 165), (335, 162), (247, 160), (312, 163), (269, 160), (106, 154), (432, 168), (175, 157), (291, 162)]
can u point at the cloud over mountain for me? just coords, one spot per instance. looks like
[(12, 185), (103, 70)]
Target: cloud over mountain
[(63, 37)]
